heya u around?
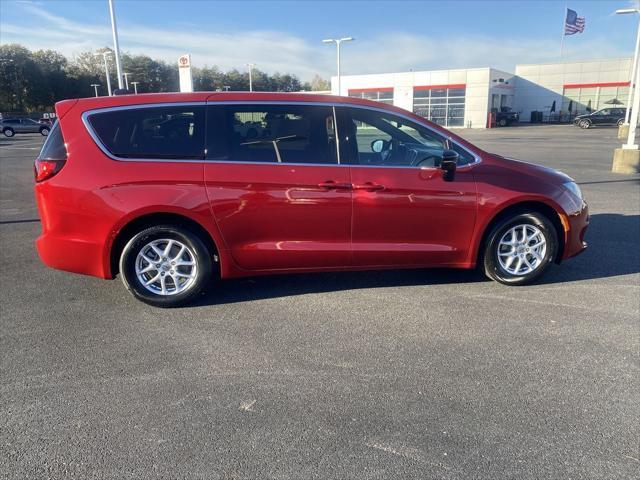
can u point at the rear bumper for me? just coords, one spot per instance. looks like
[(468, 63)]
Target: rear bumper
[(575, 233), (71, 255), (71, 239)]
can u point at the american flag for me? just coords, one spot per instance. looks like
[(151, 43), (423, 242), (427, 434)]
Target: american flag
[(573, 23)]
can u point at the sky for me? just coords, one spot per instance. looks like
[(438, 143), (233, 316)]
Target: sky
[(286, 36)]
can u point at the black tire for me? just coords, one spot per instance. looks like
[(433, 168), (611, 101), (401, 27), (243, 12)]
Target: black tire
[(491, 263), (502, 122), (8, 132), (44, 131), (584, 124), (620, 122), (195, 248)]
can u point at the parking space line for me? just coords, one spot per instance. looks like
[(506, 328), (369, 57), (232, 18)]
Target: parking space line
[(23, 148), (485, 296)]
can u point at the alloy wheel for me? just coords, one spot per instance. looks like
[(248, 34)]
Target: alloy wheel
[(166, 267), (522, 249)]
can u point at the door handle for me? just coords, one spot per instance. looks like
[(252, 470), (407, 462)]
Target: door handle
[(331, 185), (369, 186)]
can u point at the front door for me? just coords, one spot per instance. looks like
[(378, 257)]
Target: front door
[(601, 117), (404, 212), (276, 189)]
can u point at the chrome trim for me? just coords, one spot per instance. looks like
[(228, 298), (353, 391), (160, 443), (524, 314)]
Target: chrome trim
[(98, 142)]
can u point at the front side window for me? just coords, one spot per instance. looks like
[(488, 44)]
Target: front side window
[(171, 132), (272, 134), (388, 140)]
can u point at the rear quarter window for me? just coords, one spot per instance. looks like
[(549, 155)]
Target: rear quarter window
[(174, 133), (54, 147)]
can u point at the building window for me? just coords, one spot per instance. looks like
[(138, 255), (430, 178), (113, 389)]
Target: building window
[(443, 105), (579, 99), (382, 95)]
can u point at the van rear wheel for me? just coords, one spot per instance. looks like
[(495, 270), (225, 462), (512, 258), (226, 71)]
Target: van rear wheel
[(165, 266)]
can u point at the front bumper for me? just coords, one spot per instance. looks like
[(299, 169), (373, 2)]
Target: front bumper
[(575, 232)]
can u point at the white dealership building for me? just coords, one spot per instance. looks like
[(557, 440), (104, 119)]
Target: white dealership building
[(465, 97)]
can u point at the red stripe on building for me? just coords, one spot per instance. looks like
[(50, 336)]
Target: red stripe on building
[(364, 90), (589, 85), (434, 87)]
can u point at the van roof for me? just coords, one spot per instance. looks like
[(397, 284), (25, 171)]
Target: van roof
[(91, 103)]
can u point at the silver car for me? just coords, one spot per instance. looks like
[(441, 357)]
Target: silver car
[(11, 126)]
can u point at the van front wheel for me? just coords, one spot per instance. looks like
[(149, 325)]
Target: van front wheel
[(521, 248), (165, 266)]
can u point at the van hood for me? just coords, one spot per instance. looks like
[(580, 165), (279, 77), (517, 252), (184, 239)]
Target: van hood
[(545, 173)]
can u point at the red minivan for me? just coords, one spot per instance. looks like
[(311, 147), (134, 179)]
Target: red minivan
[(175, 190)]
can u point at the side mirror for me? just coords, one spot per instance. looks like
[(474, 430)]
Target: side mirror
[(377, 146), (449, 164)]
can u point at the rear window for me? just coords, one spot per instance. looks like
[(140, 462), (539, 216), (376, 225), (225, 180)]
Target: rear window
[(54, 147), (152, 132)]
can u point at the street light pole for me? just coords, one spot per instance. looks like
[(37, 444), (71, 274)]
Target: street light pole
[(135, 87), (627, 158), (338, 41), (95, 86), (251, 65), (634, 66), (116, 46), (126, 81), (633, 120), (106, 69)]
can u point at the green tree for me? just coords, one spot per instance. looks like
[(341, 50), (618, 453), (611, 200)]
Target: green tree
[(19, 78), (35, 81)]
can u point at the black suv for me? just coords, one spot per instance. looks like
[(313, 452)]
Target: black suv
[(505, 116), (606, 116)]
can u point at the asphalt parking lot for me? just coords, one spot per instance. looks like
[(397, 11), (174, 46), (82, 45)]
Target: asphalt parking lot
[(430, 374)]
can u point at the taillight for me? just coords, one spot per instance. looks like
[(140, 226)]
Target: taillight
[(52, 157), (44, 169)]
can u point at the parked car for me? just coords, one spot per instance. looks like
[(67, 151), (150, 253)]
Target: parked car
[(606, 116), (329, 183), (505, 116), (11, 126)]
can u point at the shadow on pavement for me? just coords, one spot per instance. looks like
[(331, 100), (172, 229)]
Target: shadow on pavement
[(260, 288), (612, 252)]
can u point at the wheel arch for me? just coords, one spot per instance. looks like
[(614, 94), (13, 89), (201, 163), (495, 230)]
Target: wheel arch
[(139, 223), (524, 207)]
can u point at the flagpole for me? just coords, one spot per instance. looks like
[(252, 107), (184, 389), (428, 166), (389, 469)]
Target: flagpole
[(564, 21)]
